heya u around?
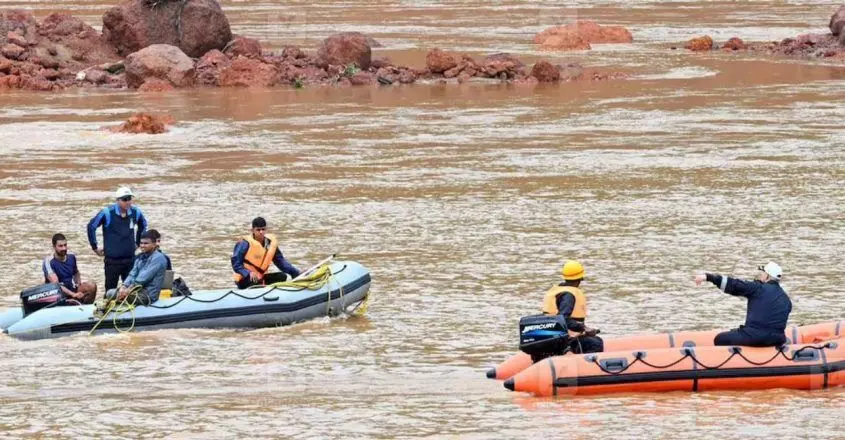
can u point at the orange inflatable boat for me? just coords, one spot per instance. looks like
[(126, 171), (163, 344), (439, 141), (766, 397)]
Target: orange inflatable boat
[(796, 366), (794, 334)]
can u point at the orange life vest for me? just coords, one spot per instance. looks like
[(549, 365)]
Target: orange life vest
[(579, 311), (258, 257), (552, 295)]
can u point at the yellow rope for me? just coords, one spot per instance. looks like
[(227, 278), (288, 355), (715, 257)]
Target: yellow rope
[(319, 278), (116, 309)]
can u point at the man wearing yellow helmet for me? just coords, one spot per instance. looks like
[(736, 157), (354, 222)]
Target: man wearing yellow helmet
[(567, 299)]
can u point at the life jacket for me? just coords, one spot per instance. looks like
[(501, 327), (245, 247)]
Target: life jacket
[(579, 312), (258, 257)]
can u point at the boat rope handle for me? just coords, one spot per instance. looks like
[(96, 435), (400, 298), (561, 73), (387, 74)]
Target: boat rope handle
[(311, 283), (689, 353)]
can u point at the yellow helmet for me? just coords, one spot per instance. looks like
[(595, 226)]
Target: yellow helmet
[(572, 270)]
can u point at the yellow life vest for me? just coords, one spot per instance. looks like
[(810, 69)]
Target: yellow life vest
[(258, 257), (552, 295)]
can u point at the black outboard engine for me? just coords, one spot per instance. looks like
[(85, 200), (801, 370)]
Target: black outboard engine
[(43, 295), (542, 336)]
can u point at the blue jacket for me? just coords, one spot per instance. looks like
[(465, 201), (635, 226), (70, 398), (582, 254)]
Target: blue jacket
[(148, 271), (768, 305), (118, 240), (239, 254)]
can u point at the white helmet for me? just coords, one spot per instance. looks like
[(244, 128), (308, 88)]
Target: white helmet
[(772, 269), (123, 191)]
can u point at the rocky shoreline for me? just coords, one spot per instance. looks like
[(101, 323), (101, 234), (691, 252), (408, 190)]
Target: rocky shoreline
[(160, 45)]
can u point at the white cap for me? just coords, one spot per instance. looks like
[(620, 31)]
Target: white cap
[(123, 191), (772, 269)]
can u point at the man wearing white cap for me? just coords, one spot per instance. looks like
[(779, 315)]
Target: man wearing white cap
[(122, 225), (768, 307)]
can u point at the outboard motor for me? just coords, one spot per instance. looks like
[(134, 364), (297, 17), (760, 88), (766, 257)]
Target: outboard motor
[(542, 336), (40, 296)]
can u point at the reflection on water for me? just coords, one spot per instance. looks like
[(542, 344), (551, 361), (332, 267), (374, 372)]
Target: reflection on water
[(463, 201)]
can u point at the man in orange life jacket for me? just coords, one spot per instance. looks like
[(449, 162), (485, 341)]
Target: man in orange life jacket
[(567, 299), (254, 253)]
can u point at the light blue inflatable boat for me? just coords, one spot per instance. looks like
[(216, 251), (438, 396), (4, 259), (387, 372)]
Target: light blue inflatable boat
[(344, 287)]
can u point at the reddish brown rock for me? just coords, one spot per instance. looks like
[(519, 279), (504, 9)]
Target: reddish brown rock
[(71, 42), (18, 21), (293, 52), (160, 61), (144, 123), (407, 76), (248, 72), (502, 56), (453, 72), (379, 63), (243, 46), (156, 85), (496, 65), (544, 71), (50, 74), (579, 36), (36, 83), (346, 48), (5, 66), (10, 82), (734, 43), (48, 62), (195, 26), (13, 52), (438, 61), (93, 75), (16, 38), (362, 79), (565, 41), (700, 44), (837, 21), (209, 66)]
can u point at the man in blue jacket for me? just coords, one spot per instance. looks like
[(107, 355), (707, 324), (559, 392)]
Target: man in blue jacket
[(143, 285), (768, 307), (122, 225), (253, 255)]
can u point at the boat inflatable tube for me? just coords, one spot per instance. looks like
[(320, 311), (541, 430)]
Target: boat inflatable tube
[(794, 334), (347, 286), (796, 366)]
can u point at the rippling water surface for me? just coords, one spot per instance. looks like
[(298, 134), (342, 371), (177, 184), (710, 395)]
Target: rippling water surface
[(463, 201)]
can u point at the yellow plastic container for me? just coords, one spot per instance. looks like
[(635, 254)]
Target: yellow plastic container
[(165, 293)]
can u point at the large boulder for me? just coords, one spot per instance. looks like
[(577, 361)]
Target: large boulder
[(544, 71), (243, 46), (735, 43), (195, 26), (580, 35), (700, 44), (837, 21), (346, 48), (438, 61), (160, 61), (248, 72)]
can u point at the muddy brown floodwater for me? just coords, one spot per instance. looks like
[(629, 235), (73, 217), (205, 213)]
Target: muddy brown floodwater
[(463, 200)]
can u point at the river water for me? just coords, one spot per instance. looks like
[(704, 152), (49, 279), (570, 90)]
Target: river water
[(463, 201)]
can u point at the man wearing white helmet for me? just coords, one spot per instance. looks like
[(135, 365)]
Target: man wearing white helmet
[(122, 225), (768, 307)]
